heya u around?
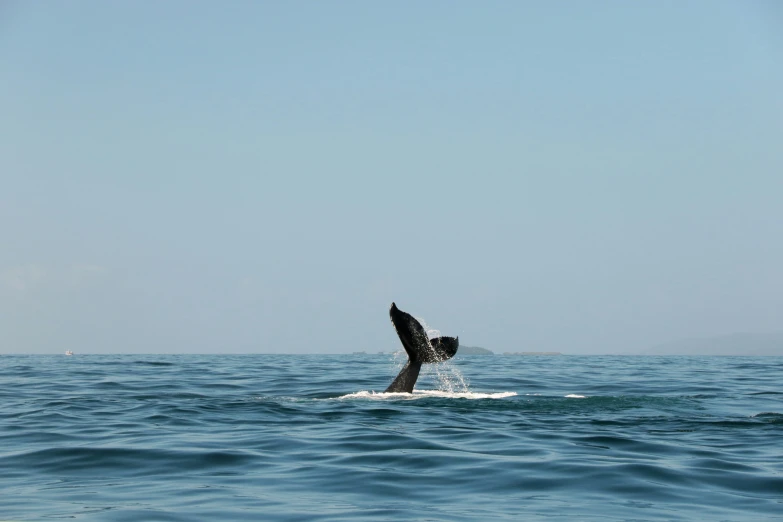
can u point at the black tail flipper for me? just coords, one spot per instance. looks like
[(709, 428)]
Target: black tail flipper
[(420, 349), (443, 348)]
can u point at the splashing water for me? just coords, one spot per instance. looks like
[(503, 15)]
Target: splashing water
[(432, 333), (449, 378), (398, 360)]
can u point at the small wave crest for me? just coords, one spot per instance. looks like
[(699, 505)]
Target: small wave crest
[(420, 394), (769, 416)]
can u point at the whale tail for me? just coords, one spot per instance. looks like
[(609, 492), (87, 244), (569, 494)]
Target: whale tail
[(419, 348)]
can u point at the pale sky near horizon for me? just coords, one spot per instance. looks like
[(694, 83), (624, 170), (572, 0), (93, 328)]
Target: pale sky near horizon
[(192, 176)]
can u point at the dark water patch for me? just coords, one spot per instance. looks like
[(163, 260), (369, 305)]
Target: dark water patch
[(111, 385), (154, 363), (163, 395), (125, 461), (721, 465)]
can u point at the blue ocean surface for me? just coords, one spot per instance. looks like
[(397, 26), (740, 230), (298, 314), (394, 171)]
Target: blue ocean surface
[(284, 437)]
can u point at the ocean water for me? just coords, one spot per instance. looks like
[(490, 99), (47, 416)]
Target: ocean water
[(281, 437)]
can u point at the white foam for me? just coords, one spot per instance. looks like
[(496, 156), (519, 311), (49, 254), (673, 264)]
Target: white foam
[(575, 396), (420, 394)]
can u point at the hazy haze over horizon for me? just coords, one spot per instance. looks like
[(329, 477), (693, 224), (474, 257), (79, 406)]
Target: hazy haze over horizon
[(268, 177)]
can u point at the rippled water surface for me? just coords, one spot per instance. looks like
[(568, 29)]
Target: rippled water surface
[(276, 437)]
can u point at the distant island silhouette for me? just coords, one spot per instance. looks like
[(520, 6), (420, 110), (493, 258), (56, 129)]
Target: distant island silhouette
[(532, 353), (474, 350)]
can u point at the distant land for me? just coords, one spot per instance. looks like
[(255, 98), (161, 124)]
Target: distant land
[(733, 344), (473, 350), (476, 350), (532, 353)]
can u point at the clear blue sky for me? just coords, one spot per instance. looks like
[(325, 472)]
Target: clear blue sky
[(190, 176)]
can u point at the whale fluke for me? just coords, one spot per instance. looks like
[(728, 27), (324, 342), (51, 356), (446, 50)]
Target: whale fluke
[(419, 348)]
